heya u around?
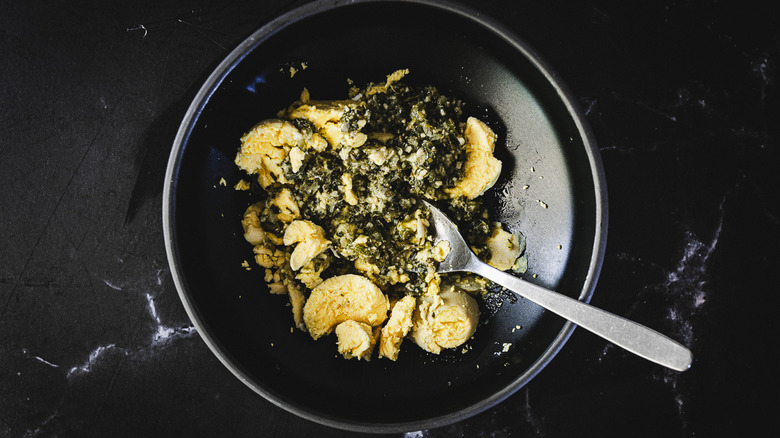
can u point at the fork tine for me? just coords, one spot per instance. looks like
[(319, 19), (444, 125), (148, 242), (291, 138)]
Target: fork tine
[(444, 229)]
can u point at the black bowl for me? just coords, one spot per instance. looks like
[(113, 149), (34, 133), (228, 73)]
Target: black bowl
[(544, 144)]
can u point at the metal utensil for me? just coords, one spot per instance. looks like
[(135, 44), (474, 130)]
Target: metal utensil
[(636, 338)]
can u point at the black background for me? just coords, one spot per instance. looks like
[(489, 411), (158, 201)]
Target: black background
[(682, 98)]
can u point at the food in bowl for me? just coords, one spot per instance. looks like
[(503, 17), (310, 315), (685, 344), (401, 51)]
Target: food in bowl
[(336, 218)]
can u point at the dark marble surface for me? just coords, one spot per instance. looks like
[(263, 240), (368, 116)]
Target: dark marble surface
[(682, 97)]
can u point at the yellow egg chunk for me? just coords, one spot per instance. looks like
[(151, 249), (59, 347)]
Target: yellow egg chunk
[(504, 249), (356, 340), (297, 301), (391, 78), (310, 273), (310, 239), (446, 320), (264, 149), (296, 158), (349, 194), (320, 113), (343, 298), (481, 169), (397, 327), (253, 231), (326, 116), (285, 203)]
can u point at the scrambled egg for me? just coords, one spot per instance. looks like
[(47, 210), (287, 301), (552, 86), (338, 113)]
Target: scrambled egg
[(341, 231), (264, 148), (253, 231), (288, 209), (310, 274)]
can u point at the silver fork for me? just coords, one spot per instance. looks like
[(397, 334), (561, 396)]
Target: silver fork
[(636, 338)]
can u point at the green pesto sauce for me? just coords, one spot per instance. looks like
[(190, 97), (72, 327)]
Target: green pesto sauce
[(424, 156)]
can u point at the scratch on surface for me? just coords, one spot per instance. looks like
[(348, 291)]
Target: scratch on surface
[(647, 107), (138, 27), (193, 14), (633, 149), (197, 29), (57, 204), (112, 285)]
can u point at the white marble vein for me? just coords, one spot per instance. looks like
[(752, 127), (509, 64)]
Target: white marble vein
[(31, 433), (164, 333), (528, 414), (687, 283), (686, 287), (93, 358), (161, 336), (111, 285), (762, 68)]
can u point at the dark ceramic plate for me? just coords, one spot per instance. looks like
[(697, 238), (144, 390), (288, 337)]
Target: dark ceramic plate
[(543, 142)]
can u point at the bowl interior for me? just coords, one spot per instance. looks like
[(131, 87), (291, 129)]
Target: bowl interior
[(551, 190)]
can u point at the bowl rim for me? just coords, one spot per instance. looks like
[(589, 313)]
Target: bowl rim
[(213, 82)]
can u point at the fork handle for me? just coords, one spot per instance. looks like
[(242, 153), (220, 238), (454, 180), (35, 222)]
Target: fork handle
[(636, 338)]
